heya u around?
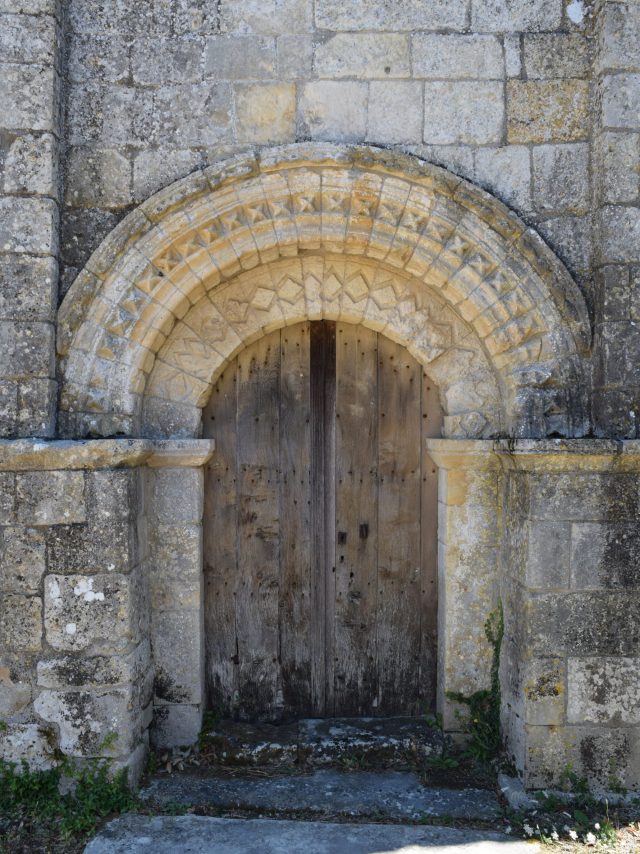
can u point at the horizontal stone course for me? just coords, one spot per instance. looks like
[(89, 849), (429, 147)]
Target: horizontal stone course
[(363, 55), (457, 57), (408, 15)]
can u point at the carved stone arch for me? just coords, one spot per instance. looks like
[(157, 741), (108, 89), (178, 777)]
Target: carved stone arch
[(349, 233)]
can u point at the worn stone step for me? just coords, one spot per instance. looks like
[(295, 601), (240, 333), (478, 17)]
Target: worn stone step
[(394, 795), (139, 834), (385, 742)]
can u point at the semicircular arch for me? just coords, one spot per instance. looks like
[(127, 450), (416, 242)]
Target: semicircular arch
[(350, 233)]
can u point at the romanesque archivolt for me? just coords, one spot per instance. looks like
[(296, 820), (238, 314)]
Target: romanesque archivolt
[(347, 234)]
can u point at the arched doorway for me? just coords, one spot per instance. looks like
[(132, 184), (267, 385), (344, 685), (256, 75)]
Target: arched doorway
[(320, 528)]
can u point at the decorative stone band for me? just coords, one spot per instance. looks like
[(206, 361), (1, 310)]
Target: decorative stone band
[(38, 455), (595, 455)]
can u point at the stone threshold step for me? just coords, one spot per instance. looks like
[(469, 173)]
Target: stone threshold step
[(394, 795), (138, 834), (323, 741)]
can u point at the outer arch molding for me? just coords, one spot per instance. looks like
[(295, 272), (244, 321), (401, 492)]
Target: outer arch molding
[(412, 228)]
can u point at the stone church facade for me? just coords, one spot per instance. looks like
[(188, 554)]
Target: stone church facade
[(178, 179)]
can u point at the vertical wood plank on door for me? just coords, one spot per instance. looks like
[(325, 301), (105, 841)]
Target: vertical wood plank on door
[(296, 656), (219, 545), (431, 427), (356, 521), (399, 557), (257, 591)]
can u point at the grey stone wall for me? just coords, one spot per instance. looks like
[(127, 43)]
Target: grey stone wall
[(74, 616)]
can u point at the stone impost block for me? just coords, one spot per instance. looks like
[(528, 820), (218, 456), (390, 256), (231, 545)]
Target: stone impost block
[(92, 724), (395, 112), (20, 622), (50, 498), (547, 111), (334, 109), (457, 57), (408, 15), (27, 287), (265, 113), (27, 97), (516, 15), (28, 226), (22, 559), (561, 177), (363, 55), (470, 112), (621, 101), (604, 691), (91, 611)]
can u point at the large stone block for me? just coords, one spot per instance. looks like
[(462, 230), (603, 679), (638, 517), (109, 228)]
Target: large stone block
[(98, 177), (408, 15), (516, 15), (265, 113), (619, 46), (20, 622), (187, 115), (457, 57), (158, 61), (22, 559), (620, 234), (27, 287), (583, 496), (92, 724), (32, 742), (334, 110), (51, 497), (26, 349), (506, 172), (549, 551), (603, 691), (561, 177), (395, 112), (618, 157), (470, 112), (176, 726), (176, 641), (240, 57), (104, 56), (31, 166), (605, 555), (28, 225), (556, 55), (547, 111), (266, 17), (176, 495), (15, 696), (584, 623), (28, 97), (28, 39), (544, 684), (91, 610), (175, 571), (295, 56), (363, 55), (621, 101), (571, 238)]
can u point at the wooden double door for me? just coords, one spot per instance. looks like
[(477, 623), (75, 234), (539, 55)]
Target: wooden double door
[(320, 528)]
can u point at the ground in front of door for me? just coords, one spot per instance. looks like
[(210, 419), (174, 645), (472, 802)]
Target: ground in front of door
[(341, 786)]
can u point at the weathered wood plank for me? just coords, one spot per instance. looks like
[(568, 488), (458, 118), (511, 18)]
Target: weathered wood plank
[(296, 651), (355, 681), (431, 427), (219, 545), (399, 555), (257, 590)]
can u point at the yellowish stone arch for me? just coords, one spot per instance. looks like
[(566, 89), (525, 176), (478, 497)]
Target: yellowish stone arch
[(347, 233)]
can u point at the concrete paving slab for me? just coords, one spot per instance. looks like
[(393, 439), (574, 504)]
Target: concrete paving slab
[(392, 794), (188, 834)]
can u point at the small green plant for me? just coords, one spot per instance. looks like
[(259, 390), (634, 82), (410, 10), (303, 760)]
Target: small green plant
[(3, 726), (93, 794), (484, 705), (571, 782), (615, 784)]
